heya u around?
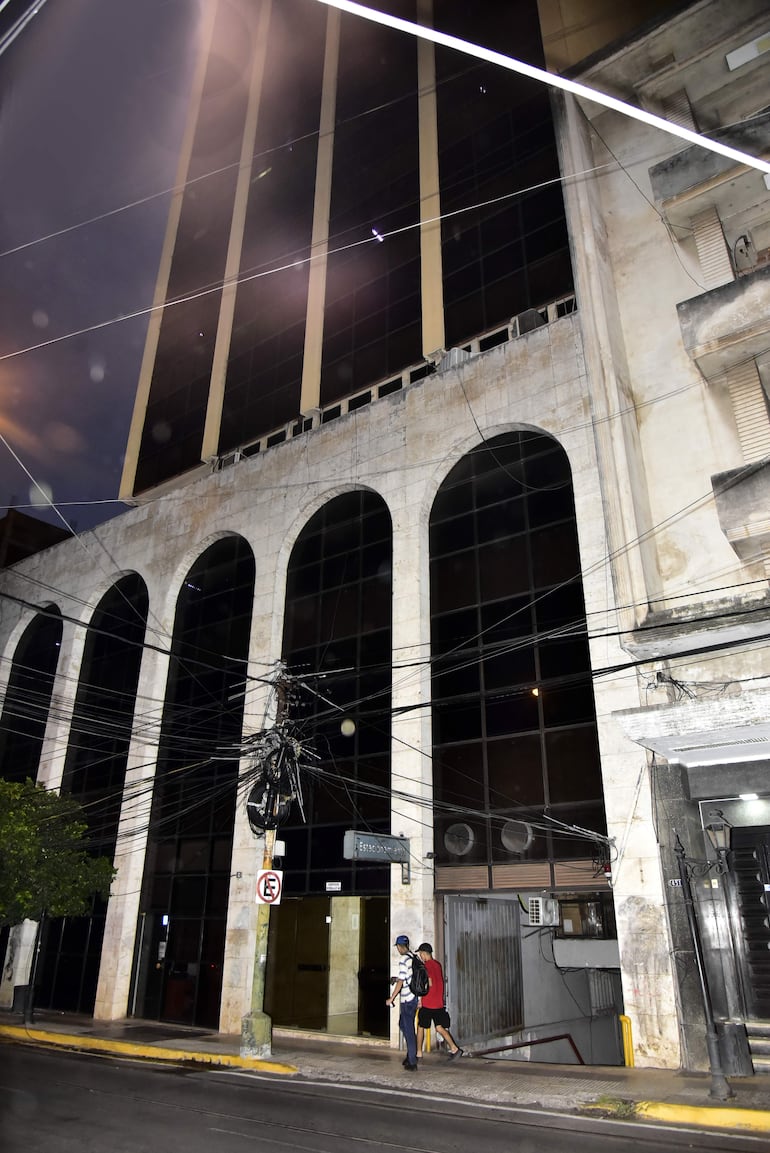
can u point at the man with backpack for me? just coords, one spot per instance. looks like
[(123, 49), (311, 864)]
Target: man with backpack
[(402, 988), (432, 1007)]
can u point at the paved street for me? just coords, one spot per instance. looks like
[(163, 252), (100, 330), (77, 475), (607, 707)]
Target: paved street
[(63, 1102)]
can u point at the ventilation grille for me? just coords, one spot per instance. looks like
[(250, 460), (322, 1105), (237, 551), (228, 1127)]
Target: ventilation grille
[(543, 911)]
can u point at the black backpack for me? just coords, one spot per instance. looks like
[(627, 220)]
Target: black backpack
[(418, 982)]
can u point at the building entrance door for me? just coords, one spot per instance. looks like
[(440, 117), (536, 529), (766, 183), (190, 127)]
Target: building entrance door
[(749, 861), (327, 965)]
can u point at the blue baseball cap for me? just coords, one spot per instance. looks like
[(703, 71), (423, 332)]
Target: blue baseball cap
[(402, 939)]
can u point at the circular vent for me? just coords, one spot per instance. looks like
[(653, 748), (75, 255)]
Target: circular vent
[(516, 836), (459, 839)]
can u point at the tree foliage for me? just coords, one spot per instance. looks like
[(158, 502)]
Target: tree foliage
[(45, 866)]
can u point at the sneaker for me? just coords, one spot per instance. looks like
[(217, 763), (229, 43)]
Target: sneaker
[(457, 1053), (410, 1068)]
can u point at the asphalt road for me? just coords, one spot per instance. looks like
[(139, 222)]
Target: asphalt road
[(66, 1102)]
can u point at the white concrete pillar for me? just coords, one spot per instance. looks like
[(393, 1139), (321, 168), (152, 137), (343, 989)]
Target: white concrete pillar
[(344, 963), (114, 995), (411, 905)]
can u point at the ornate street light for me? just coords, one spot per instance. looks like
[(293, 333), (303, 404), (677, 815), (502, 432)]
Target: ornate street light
[(718, 830)]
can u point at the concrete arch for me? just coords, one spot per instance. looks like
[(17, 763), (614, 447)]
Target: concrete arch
[(183, 566), (26, 618), (462, 448)]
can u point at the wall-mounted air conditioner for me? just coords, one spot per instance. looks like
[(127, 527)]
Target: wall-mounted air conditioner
[(543, 911)]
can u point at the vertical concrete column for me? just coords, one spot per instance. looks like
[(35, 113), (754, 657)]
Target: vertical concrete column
[(647, 971), (115, 997), (344, 953), (216, 396), (310, 395), (57, 733), (411, 904), (433, 337), (248, 850)]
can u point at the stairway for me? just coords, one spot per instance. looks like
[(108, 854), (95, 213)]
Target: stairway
[(759, 1045)]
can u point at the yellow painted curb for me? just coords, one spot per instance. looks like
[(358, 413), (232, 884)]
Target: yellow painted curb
[(707, 1116), (154, 1052)]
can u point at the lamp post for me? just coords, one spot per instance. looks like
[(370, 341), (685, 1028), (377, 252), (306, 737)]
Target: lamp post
[(719, 832)]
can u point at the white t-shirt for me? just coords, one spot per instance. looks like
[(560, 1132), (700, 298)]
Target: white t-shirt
[(405, 975)]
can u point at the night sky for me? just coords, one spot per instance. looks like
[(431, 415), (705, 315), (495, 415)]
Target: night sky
[(92, 106)]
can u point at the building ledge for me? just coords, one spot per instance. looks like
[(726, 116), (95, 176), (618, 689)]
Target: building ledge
[(712, 731), (717, 624), (729, 325), (695, 178)]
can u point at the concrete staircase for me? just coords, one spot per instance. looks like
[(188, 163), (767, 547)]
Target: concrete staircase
[(759, 1045)]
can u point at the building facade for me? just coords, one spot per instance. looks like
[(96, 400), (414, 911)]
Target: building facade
[(452, 402)]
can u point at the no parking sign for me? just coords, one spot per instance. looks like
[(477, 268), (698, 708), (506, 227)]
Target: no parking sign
[(269, 887)]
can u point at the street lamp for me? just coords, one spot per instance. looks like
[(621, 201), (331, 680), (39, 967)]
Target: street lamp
[(718, 831)]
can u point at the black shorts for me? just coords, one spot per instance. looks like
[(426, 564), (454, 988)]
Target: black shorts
[(428, 1017)]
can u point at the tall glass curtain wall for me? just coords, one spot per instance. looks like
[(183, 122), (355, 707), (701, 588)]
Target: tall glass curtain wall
[(504, 240), (28, 697), (264, 370), (337, 642), (514, 724), (173, 430), (504, 235), (94, 773), (372, 316), (181, 932)]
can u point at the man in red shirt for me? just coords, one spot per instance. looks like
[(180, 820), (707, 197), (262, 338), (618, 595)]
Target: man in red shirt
[(432, 1009)]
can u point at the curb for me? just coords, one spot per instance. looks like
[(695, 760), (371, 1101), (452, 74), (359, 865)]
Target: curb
[(707, 1116), (151, 1052)]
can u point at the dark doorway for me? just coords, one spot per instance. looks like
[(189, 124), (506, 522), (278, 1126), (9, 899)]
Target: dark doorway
[(298, 966), (327, 965), (749, 861)]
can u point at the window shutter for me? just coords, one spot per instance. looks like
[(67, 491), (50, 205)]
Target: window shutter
[(713, 253), (751, 413)]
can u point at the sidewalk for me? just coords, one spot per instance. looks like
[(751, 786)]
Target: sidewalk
[(659, 1094)]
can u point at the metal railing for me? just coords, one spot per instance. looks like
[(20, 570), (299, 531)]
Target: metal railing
[(518, 326), (534, 1041)]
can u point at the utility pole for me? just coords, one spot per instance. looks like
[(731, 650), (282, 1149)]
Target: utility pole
[(256, 1026)]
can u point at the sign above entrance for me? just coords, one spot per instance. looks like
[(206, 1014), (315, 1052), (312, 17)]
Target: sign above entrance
[(378, 847), (269, 887)]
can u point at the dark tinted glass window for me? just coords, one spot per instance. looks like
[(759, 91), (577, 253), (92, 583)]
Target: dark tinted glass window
[(372, 318), (337, 643), (264, 368), (28, 697), (176, 411), (504, 239), (187, 869), (514, 724)]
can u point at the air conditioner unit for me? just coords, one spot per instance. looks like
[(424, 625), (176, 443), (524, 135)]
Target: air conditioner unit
[(453, 358), (543, 911)]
